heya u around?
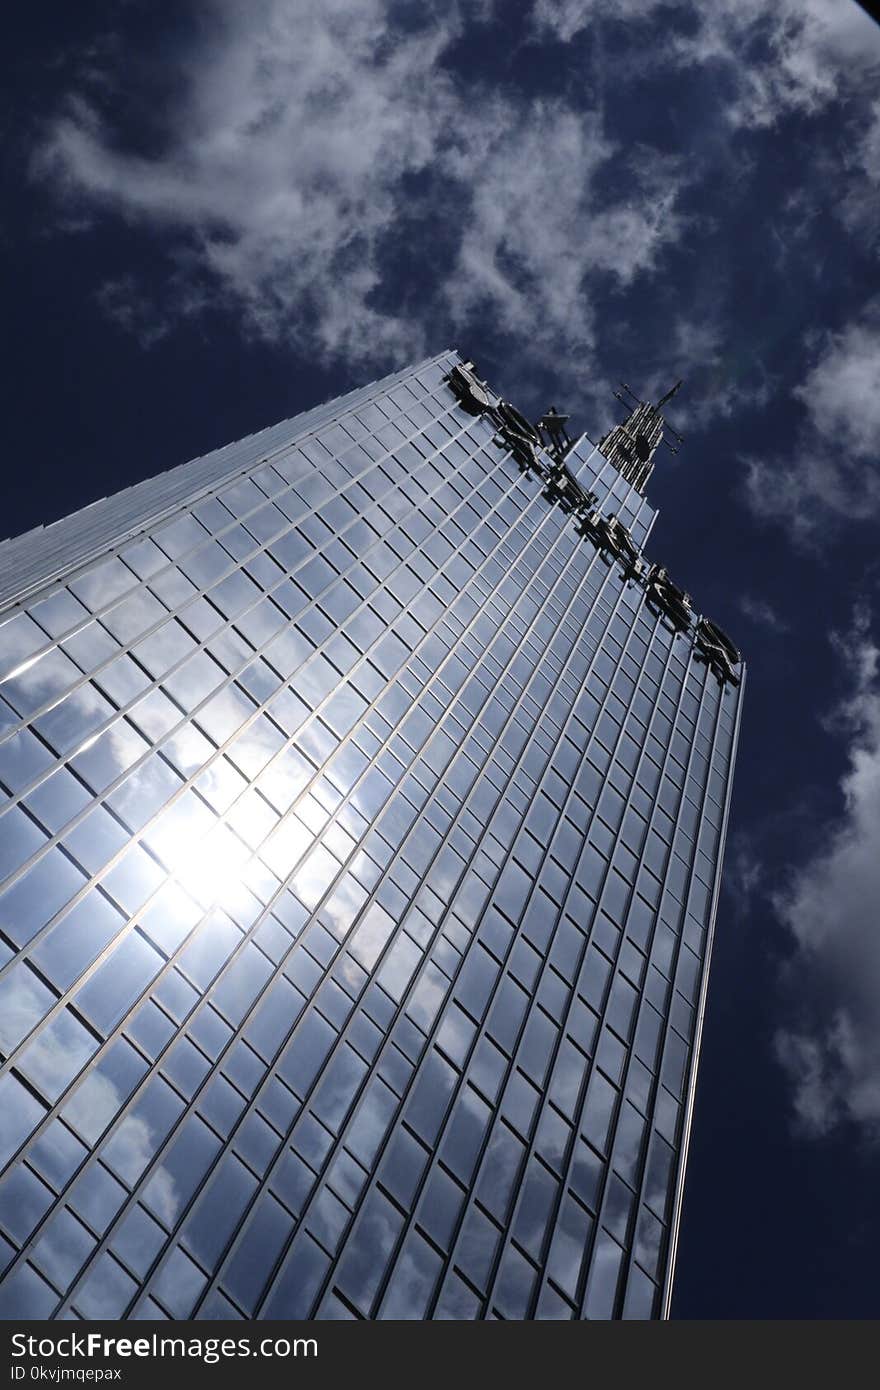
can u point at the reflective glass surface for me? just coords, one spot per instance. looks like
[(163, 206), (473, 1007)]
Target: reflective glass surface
[(360, 835)]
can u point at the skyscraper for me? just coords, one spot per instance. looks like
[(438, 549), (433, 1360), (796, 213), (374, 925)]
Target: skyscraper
[(364, 796)]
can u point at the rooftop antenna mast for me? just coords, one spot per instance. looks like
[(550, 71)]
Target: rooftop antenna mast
[(631, 446)]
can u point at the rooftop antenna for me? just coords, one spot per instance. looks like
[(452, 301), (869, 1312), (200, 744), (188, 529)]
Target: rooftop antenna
[(631, 446)]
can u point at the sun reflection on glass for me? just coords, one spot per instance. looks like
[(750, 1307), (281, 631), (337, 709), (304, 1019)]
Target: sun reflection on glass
[(212, 869)]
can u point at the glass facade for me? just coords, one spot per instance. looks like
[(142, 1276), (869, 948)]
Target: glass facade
[(363, 805)]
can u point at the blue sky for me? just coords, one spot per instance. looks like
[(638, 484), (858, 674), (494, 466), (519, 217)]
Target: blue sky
[(222, 217)]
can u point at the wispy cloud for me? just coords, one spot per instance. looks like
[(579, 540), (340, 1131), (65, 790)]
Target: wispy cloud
[(305, 138), (302, 141), (279, 163), (857, 208), (759, 611), (771, 60), (124, 303), (832, 472), (831, 1052), (327, 176), (719, 384), (744, 874), (841, 392)]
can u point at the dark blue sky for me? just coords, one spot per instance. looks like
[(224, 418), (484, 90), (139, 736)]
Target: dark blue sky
[(217, 220)]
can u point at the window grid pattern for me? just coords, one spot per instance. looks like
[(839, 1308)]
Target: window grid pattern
[(361, 833)]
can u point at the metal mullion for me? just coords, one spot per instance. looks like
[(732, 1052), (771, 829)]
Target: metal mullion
[(102, 956), (254, 1100), (189, 781), (563, 1179), (691, 857), (157, 747), (172, 509), (626, 1263), (543, 1276), (484, 1297), (506, 1236), (453, 820), (246, 937), (632, 489), (693, 1050), (170, 961), (448, 1259), (200, 645), (649, 1117), (235, 567), (562, 1023), (444, 839), (690, 1092), (371, 895), (443, 842), (126, 648), (509, 781)]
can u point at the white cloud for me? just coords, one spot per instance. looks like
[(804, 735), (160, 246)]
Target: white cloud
[(281, 160), (534, 230), (719, 383), (566, 19), (759, 611), (833, 470), (842, 391), (795, 55), (300, 137), (832, 1053), (287, 163), (124, 303), (857, 206), (744, 874), (869, 146)]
